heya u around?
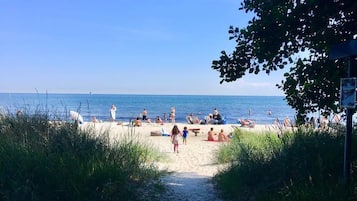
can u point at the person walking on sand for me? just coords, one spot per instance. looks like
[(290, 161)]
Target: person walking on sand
[(113, 110), (184, 135), (175, 133)]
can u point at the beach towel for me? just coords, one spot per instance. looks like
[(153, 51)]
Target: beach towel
[(211, 140)]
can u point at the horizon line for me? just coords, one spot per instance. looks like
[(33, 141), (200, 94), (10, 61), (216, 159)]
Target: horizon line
[(148, 94)]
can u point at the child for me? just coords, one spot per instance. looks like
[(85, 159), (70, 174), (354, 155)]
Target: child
[(175, 132), (184, 135)]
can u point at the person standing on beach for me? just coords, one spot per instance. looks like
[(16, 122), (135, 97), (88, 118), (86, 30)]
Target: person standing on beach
[(113, 110), (145, 113), (172, 114), (184, 135), (175, 132)]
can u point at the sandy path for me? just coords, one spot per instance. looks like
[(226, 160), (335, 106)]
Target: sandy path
[(192, 169)]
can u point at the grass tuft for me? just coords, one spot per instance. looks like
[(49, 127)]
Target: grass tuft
[(40, 160), (301, 165)]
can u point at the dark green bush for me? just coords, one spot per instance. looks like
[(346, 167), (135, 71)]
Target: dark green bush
[(305, 165), (43, 161)]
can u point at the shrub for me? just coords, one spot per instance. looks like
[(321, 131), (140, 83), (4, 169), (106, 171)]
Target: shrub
[(40, 161), (305, 165)]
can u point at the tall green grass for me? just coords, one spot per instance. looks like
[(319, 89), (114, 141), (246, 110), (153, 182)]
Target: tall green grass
[(41, 161), (304, 165)]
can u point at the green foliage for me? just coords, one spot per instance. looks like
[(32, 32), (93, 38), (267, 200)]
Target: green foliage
[(296, 34), (306, 165), (40, 161), (245, 143)]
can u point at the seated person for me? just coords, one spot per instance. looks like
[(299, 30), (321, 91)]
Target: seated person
[(137, 122), (209, 119), (148, 120), (222, 137), (95, 120), (217, 118), (189, 118), (158, 120), (211, 134), (192, 119)]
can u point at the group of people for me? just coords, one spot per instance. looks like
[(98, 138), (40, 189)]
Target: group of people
[(323, 122), (215, 118), (176, 134), (138, 121), (222, 137), (158, 118)]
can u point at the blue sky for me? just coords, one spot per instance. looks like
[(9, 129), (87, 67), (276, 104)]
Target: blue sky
[(121, 47)]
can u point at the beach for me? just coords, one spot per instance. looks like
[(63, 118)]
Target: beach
[(192, 168)]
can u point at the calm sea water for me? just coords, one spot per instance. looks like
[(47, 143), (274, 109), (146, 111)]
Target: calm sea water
[(131, 106)]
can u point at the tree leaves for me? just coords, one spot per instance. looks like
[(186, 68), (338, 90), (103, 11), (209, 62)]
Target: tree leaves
[(293, 34)]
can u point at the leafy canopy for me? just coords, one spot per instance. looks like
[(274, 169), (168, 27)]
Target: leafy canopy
[(294, 34)]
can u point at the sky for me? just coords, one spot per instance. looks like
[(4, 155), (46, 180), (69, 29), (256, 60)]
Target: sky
[(122, 47)]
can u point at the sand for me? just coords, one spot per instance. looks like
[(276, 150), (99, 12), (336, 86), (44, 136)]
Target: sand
[(192, 168)]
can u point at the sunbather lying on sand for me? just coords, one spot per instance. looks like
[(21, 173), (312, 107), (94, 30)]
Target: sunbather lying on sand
[(246, 123)]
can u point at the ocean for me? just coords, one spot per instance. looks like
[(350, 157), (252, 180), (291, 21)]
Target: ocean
[(262, 109)]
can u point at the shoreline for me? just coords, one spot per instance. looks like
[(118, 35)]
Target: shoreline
[(130, 107)]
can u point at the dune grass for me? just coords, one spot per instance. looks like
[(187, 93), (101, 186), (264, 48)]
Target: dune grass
[(42, 161), (304, 165)]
